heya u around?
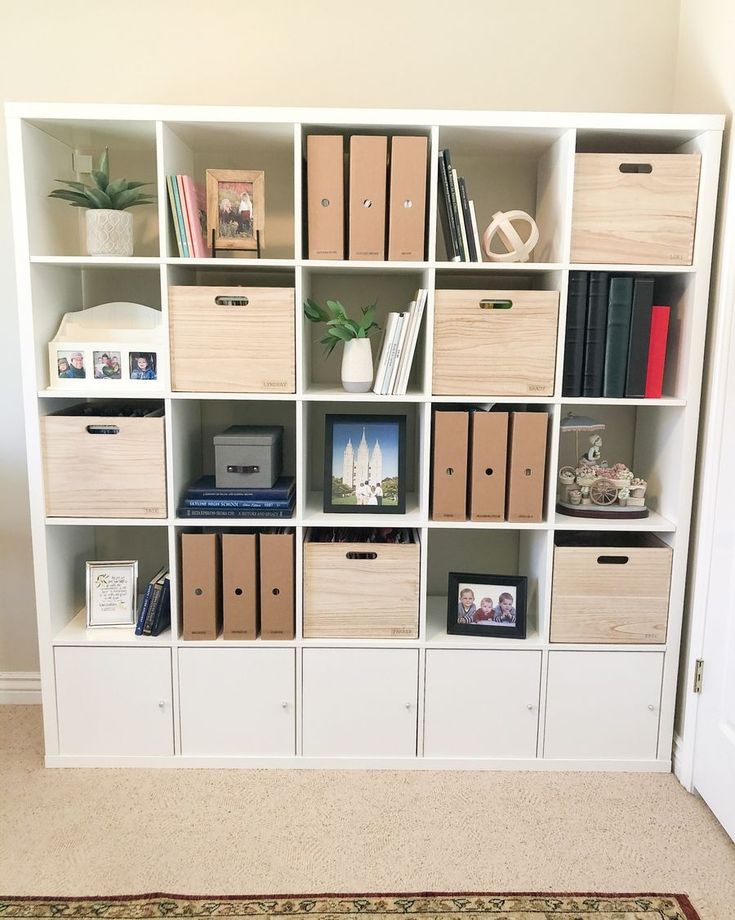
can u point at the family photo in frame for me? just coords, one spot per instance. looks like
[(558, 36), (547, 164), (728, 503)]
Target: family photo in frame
[(486, 605), (236, 208), (365, 464)]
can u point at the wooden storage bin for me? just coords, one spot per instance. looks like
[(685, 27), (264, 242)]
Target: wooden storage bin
[(361, 590), (482, 348), (610, 589), (104, 465), (635, 209), (232, 339)]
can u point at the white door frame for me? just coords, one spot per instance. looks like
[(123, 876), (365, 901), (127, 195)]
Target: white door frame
[(720, 370)]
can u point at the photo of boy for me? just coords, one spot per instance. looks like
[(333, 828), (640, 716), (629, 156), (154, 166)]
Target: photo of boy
[(505, 612), (142, 365), (466, 609), (485, 613)]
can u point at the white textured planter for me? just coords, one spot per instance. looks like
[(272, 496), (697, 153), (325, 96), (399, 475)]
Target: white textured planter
[(357, 366), (109, 233)]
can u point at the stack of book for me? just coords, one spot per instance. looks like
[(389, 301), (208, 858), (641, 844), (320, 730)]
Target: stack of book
[(204, 500), (399, 344), (155, 609), (615, 337), (457, 212), (189, 212)]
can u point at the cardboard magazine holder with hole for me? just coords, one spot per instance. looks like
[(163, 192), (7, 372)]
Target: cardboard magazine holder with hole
[(107, 347)]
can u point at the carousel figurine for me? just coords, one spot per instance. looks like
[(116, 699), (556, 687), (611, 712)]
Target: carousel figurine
[(594, 488)]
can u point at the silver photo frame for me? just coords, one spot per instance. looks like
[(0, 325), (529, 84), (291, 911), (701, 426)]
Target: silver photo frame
[(112, 593)]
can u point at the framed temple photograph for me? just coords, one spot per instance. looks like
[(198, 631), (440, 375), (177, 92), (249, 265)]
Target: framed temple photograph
[(486, 605), (365, 464), (112, 593), (235, 208)]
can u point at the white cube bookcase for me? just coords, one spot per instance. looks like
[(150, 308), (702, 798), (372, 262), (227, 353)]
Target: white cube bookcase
[(112, 699)]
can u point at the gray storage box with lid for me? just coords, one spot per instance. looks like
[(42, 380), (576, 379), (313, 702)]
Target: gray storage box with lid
[(248, 456)]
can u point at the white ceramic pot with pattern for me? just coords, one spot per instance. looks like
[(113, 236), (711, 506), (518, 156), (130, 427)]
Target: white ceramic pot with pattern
[(109, 233)]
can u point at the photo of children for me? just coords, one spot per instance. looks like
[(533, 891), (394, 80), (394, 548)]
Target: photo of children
[(70, 365), (235, 205), (486, 605), (143, 365), (107, 365)]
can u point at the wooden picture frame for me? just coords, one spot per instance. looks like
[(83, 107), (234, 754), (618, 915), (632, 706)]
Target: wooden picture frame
[(503, 617), (385, 496), (229, 191)]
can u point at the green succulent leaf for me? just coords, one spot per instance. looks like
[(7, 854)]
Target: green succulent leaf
[(76, 198), (138, 184), (314, 312), (128, 197), (100, 179), (79, 186), (105, 165), (116, 186), (98, 198)]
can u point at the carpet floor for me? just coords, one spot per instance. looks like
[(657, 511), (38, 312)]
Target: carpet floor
[(238, 832)]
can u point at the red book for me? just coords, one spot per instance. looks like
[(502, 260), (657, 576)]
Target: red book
[(195, 204), (657, 352)]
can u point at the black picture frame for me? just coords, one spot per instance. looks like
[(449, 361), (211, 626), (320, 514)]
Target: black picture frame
[(361, 421), (459, 582)]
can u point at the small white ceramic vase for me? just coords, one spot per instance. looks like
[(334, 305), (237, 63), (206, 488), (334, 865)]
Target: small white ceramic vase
[(357, 366), (109, 233)]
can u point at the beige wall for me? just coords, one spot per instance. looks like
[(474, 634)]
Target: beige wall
[(609, 55)]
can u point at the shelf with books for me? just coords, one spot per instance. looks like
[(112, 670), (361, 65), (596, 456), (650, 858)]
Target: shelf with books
[(512, 169), (68, 549), (393, 295), (190, 149), (629, 335), (50, 147), (194, 425)]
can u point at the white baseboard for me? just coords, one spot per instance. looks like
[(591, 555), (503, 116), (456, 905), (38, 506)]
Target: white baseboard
[(20, 687)]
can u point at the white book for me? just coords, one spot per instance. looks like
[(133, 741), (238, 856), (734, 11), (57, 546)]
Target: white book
[(475, 232), (382, 362), (462, 228), (407, 324), (392, 355), (405, 320), (416, 316)]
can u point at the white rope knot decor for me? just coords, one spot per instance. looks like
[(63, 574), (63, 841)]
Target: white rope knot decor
[(517, 249)]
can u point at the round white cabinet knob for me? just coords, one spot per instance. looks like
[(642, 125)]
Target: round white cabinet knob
[(651, 706), (284, 705), (408, 705), (161, 704), (529, 706)]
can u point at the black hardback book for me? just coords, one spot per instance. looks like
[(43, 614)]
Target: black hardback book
[(467, 218), (454, 210), (620, 305), (595, 333), (574, 338), (640, 334), (447, 217)]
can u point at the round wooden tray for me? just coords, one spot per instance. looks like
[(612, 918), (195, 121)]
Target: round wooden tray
[(599, 511)]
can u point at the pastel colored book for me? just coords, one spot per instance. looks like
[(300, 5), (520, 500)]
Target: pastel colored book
[(196, 209)]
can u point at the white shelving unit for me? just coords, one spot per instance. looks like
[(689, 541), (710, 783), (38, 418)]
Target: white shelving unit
[(436, 701)]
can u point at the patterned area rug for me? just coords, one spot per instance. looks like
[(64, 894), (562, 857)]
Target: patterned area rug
[(334, 906)]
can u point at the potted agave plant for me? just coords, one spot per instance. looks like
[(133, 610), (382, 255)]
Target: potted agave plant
[(357, 356), (108, 218)]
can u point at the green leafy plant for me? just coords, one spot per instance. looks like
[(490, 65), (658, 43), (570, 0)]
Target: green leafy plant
[(117, 195), (340, 328)]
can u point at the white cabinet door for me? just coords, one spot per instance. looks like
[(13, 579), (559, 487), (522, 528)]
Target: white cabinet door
[(114, 700), (481, 703), (603, 705), (360, 702), (238, 701)]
